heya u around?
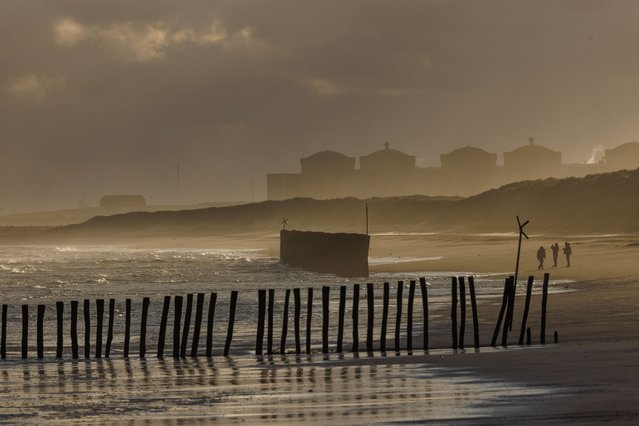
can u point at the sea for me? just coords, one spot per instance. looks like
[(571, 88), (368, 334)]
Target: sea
[(282, 387)]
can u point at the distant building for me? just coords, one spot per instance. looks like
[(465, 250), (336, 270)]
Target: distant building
[(464, 171), (625, 156), (532, 162), (123, 203)]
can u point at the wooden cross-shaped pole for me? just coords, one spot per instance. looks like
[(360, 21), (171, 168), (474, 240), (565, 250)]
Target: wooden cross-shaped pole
[(521, 232)]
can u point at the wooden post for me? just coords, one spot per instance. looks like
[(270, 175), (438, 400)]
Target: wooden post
[(453, 310), (285, 322), (511, 306), (500, 317), (511, 295), (177, 301), (398, 319), (229, 334), (296, 319), (473, 305), (107, 351), (340, 319), (382, 335), (524, 318), (409, 323), (145, 312), (74, 329), (40, 331), (462, 311), (210, 322), (261, 313), (424, 289), (309, 318), (271, 326), (163, 321), (25, 331), (355, 316), (3, 339), (325, 315), (197, 327), (127, 328), (59, 310), (370, 299), (556, 337), (100, 321), (187, 324), (87, 328), (544, 302), (528, 337)]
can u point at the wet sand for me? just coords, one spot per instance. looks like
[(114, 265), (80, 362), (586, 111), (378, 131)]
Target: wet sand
[(588, 378)]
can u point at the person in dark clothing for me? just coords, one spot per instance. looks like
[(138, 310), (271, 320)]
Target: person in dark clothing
[(541, 257), (555, 253), (567, 252)]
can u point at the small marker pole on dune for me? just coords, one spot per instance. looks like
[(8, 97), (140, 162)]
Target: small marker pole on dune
[(511, 306)]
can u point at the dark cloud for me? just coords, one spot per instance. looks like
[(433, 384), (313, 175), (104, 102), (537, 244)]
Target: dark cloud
[(102, 97)]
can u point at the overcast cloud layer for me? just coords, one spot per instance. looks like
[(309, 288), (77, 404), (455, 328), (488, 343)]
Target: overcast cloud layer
[(101, 97)]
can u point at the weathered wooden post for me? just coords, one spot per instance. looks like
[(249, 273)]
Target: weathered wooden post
[(370, 299), (40, 331), (296, 319), (229, 334), (526, 308), (145, 312), (271, 315), (197, 327), (473, 304), (261, 313), (382, 335), (187, 324), (340, 319), (127, 327), (424, 289), (355, 315), (285, 322), (3, 339), (511, 305), (87, 328), (556, 337), (59, 310), (176, 325), (398, 319), (98, 333), (325, 315), (453, 310), (500, 317), (511, 295), (544, 303), (25, 331), (409, 323), (74, 329), (163, 321), (528, 337), (309, 318), (107, 351), (209, 322), (462, 311)]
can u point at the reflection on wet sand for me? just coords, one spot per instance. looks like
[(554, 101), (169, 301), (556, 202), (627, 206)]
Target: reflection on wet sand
[(245, 390)]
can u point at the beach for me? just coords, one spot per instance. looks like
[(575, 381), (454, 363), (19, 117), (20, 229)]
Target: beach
[(587, 378)]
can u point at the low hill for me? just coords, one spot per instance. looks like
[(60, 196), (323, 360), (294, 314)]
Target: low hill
[(602, 203)]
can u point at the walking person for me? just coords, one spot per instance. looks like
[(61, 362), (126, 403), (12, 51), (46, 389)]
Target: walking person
[(541, 257), (555, 253), (567, 252)]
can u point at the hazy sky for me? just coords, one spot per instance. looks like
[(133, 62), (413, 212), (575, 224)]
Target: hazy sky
[(101, 97)]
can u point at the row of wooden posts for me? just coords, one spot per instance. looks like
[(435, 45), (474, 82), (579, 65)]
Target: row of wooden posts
[(181, 331)]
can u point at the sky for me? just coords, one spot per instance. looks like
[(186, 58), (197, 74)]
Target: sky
[(107, 97)]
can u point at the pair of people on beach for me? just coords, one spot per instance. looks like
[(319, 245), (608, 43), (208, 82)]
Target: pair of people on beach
[(541, 254)]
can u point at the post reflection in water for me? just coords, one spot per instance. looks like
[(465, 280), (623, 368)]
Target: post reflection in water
[(243, 390)]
